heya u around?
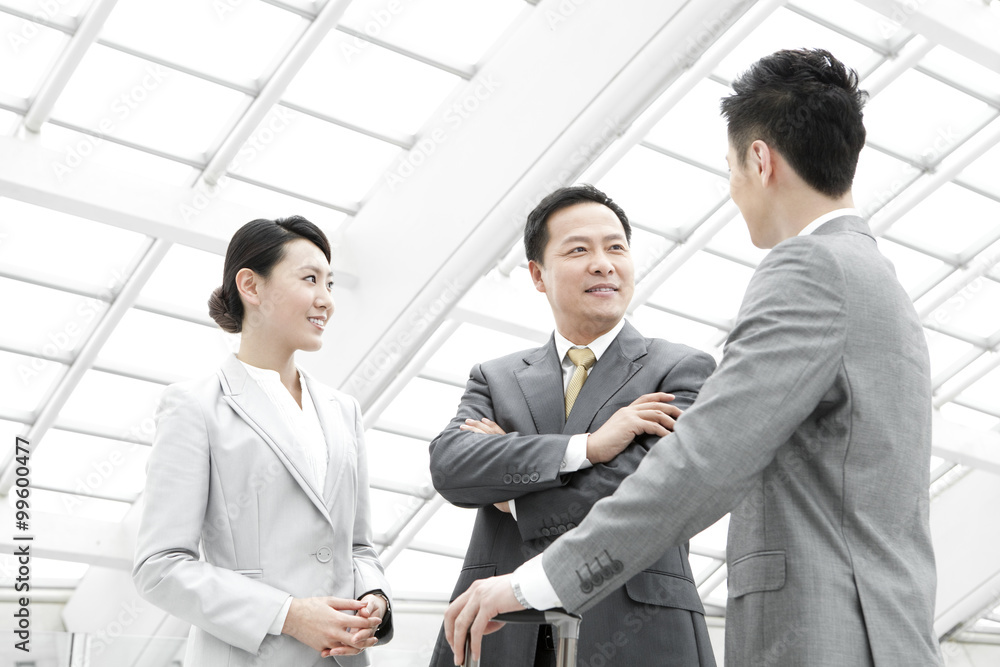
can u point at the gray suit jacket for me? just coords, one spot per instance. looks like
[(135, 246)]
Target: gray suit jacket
[(656, 618), (224, 472), (815, 431)]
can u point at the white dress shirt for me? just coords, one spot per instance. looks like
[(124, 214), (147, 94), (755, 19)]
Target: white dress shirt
[(530, 579), (575, 457), (309, 439)]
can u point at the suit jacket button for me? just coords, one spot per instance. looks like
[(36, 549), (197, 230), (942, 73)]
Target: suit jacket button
[(525, 478), (517, 478), (546, 532), (324, 554), (507, 478), (534, 477), (562, 529), (570, 525)]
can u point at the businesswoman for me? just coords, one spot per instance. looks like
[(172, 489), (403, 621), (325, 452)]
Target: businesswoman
[(265, 468)]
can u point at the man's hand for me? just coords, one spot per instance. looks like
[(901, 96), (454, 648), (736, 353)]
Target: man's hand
[(503, 507), (484, 426), (321, 624), (472, 611), (650, 413)]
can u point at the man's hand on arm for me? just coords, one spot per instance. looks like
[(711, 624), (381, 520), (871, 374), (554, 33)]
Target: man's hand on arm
[(473, 610), (650, 413)]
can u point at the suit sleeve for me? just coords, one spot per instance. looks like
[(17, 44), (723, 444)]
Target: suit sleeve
[(167, 571), (781, 358), (369, 575), (568, 504), (474, 470)]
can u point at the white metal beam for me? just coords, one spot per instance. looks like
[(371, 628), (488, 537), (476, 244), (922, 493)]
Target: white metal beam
[(57, 78), (269, 95), (970, 447), (72, 538), (968, 28)]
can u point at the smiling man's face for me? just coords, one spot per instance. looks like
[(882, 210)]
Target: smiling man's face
[(587, 272)]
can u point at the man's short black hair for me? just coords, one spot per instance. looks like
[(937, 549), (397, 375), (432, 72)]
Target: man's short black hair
[(536, 230), (805, 104)]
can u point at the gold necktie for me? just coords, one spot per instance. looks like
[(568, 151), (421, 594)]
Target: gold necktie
[(584, 359)]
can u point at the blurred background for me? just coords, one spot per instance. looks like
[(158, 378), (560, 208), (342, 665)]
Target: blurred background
[(136, 136)]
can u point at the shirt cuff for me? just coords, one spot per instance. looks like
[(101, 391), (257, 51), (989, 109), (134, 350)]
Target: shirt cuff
[(575, 457), (279, 621), (535, 586), (513, 510)]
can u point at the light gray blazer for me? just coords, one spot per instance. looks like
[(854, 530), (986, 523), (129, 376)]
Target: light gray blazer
[(224, 473), (816, 432)]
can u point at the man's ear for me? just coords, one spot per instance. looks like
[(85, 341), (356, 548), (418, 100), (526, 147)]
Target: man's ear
[(248, 282), (762, 159), (536, 275)]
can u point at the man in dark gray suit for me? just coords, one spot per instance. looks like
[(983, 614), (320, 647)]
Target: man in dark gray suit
[(542, 435), (815, 430)]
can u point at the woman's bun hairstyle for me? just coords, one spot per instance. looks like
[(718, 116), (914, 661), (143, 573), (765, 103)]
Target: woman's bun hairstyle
[(258, 246)]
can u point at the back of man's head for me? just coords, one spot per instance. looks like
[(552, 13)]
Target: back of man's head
[(536, 230), (806, 105)]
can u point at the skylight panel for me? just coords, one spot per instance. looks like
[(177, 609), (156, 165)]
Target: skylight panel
[(314, 158), (236, 41), (59, 323), (122, 96), (423, 406), (983, 172), (372, 88), (44, 571), (88, 465), (662, 193), (8, 121), (397, 458), (26, 381), (453, 29), (968, 217), (718, 299), (985, 391), (912, 268), (185, 279), (182, 349), (112, 402), (655, 323), (786, 30), (511, 299), (450, 528), (734, 240), (944, 351), (271, 204), (60, 11), (29, 52), (969, 418), (946, 118), (78, 506), (389, 509), (855, 18), (879, 179), (973, 310), (61, 246), (470, 345), (950, 66), (77, 150), (423, 576), (695, 128), (648, 250)]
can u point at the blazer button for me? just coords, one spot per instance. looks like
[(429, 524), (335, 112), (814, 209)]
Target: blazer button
[(507, 478), (517, 478), (324, 554), (546, 532), (534, 477), (562, 529), (525, 478)]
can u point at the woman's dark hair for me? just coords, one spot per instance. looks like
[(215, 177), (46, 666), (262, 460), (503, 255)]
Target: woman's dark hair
[(258, 246), (536, 229), (807, 105)]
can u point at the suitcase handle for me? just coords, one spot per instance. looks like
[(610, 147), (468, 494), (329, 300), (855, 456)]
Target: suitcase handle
[(565, 624)]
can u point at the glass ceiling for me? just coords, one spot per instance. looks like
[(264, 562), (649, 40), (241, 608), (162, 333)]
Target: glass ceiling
[(164, 86)]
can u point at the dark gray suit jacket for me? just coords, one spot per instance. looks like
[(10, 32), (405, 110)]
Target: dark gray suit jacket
[(656, 618), (816, 432)]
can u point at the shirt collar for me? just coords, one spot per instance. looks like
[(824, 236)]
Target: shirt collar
[(826, 217), (272, 377), (597, 346)]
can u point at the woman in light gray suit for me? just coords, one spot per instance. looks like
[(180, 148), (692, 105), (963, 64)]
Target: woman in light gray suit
[(265, 468)]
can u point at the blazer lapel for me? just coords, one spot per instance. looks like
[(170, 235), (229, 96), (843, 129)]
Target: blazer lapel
[(338, 437), (611, 372), (541, 383), (250, 402)]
